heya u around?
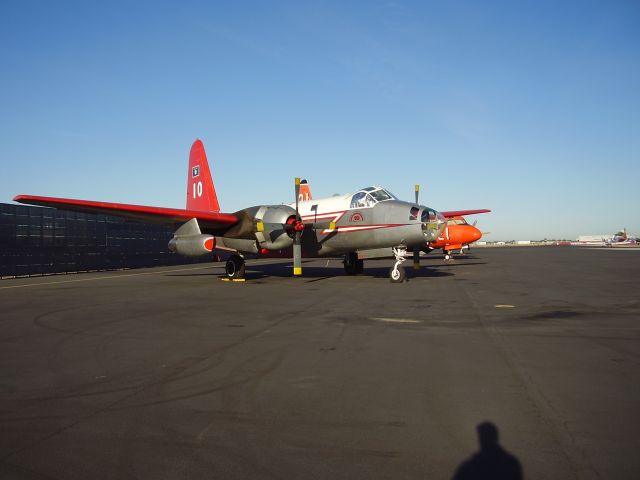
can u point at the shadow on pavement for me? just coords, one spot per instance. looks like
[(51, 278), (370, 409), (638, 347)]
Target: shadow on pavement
[(492, 461), (335, 269), (452, 264), (284, 270)]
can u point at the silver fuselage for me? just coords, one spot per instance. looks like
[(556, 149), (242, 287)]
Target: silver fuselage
[(333, 227)]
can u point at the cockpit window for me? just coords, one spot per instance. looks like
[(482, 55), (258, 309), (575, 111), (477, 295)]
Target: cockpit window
[(368, 197), (357, 201), (362, 200), (380, 195), (428, 216), (457, 221)]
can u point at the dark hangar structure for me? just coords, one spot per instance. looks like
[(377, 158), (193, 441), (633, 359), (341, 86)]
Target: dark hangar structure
[(42, 241)]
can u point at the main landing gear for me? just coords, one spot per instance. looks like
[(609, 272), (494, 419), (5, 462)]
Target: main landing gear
[(234, 268), (397, 273), (352, 264)]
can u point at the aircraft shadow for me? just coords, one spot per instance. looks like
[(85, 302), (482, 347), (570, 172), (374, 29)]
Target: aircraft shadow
[(454, 264), (281, 270), (491, 461), (213, 274)]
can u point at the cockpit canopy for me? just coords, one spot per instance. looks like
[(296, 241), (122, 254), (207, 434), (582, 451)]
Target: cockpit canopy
[(368, 197), (457, 221)]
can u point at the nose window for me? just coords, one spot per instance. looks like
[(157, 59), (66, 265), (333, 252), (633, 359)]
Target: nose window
[(428, 216)]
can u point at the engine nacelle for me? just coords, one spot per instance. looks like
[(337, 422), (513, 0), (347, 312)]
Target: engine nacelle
[(192, 245), (270, 231)]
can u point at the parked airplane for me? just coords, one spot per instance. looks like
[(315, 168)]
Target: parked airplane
[(457, 234), (370, 218), (621, 238)]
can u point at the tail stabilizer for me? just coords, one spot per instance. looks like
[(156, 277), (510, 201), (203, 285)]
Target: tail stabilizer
[(201, 194), (305, 191)]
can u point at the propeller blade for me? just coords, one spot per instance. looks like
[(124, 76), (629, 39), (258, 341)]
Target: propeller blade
[(297, 188), (417, 190), (297, 254), (297, 243), (474, 223)]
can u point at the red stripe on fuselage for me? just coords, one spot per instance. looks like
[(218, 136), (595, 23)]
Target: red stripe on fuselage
[(324, 216), (360, 228)]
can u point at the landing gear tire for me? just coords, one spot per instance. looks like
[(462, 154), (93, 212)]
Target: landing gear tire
[(234, 267), (352, 264), (397, 274)]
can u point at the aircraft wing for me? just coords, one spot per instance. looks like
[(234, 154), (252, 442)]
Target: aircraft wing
[(210, 222), (458, 213)]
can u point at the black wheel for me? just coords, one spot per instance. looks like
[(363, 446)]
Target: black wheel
[(235, 267), (351, 263), (359, 266), (397, 275)]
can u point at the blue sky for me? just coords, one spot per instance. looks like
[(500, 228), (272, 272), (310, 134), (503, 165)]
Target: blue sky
[(531, 109)]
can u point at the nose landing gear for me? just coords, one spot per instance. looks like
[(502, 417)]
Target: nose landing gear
[(397, 273)]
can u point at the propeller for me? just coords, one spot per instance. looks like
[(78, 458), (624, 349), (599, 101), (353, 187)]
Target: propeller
[(483, 233), (297, 239), (416, 250)]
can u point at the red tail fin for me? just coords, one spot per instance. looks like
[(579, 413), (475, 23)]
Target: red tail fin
[(305, 191), (201, 195)]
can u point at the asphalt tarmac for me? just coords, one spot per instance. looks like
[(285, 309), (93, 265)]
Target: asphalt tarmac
[(171, 373)]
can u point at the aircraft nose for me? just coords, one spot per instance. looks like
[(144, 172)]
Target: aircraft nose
[(433, 223), (475, 234)]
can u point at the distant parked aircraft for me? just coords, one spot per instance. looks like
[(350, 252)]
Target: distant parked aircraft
[(619, 238), (622, 238), (457, 235)]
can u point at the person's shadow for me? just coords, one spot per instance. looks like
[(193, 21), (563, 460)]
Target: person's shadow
[(492, 461)]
